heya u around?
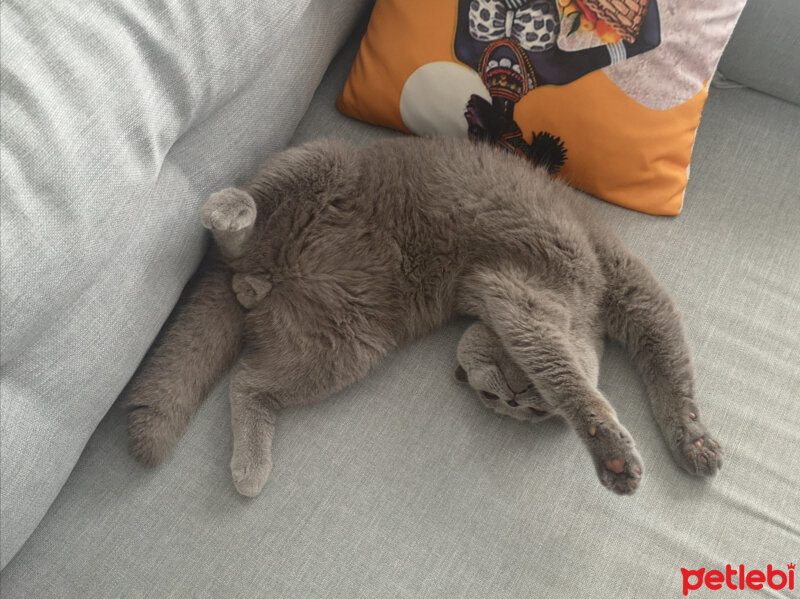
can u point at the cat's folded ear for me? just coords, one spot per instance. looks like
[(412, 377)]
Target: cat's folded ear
[(461, 375)]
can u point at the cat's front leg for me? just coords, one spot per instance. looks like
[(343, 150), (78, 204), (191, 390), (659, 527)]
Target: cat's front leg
[(230, 215), (616, 460), (533, 325), (643, 317)]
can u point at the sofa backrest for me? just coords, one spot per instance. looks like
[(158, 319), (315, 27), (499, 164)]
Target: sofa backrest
[(118, 119), (762, 52)]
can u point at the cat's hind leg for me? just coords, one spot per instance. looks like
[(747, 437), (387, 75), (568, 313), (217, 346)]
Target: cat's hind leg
[(251, 289), (533, 325), (296, 356), (253, 415), (230, 215), (641, 315), (194, 350)]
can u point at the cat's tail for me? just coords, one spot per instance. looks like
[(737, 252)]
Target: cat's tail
[(642, 316), (195, 349)]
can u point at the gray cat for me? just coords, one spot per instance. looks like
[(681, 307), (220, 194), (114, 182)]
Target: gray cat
[(335, 255)]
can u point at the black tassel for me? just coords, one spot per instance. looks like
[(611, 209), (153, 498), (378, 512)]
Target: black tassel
[(547, 151)]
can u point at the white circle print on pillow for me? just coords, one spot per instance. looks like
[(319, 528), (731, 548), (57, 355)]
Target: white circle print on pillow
[(433, 98)]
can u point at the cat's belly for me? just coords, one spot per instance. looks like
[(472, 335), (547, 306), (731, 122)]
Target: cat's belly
[(378, 303)]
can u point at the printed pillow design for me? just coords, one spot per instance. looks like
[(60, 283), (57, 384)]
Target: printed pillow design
[(606, 94)]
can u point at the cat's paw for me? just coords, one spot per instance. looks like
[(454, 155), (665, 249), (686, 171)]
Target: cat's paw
[(151, 436), (251, 289), (694, 448), (229, 210), (249, 477), (618, 464)]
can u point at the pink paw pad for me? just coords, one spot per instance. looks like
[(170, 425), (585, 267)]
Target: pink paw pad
[(615, 466)]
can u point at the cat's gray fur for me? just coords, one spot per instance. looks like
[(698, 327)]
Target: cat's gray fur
[(339, 254)]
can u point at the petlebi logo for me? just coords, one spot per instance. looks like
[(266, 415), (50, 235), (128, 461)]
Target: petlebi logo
[(738, 579)]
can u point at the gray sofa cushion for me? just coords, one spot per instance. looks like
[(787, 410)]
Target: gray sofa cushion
[(762, 53), (118, 119), (405, 486)]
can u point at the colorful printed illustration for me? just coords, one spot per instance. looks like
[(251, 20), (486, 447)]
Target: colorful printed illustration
[(513, 46)]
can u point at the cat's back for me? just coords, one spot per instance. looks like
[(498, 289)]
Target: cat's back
[(463, 181), (454, 197)]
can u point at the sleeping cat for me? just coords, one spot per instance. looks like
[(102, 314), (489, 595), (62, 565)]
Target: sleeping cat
[(335, 255)]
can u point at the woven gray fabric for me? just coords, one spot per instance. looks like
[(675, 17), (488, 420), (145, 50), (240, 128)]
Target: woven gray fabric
[(118, 119), (762, 53), (405, 486)]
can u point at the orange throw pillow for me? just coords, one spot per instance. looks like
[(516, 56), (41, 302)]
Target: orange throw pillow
[(605, 93)]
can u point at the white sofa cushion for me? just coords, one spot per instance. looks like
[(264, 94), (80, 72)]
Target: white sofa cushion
[(118, 119)]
